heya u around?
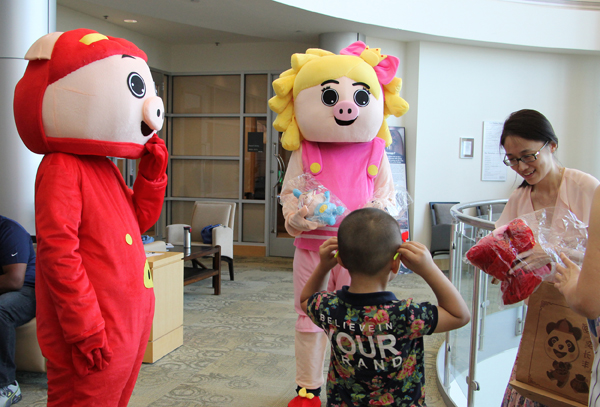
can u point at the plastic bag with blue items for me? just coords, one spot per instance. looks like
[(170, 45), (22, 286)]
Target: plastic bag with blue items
[(325, 212), (323, 206)]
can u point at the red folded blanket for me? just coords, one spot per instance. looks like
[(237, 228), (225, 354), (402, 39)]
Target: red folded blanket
[(496, 253)]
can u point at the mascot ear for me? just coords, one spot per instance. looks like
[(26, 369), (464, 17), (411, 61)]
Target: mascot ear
[(43, 47), (550, 327)]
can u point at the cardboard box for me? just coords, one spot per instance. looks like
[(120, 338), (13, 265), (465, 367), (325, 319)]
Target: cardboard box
[(544, 397)]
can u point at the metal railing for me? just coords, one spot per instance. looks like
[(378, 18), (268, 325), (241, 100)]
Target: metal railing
[(485, 340)]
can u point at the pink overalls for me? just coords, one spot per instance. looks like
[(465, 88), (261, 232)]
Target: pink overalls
[(348, 170)]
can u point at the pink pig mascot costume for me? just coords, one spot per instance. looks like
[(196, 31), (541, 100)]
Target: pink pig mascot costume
[(86, 96), (332, 110)]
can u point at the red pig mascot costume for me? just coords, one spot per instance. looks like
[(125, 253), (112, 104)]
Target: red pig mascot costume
[(86, 96)]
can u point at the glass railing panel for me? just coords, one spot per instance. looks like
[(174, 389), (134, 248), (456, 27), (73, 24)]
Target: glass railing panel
[(496, 326), (463, 280)]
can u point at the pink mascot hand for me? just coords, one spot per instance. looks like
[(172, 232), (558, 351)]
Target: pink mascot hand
[(153, 163), (91, 354), (297, 223)]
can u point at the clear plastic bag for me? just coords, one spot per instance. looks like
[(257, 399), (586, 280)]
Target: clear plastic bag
[(524, 253), (323, 206), (394, 202)]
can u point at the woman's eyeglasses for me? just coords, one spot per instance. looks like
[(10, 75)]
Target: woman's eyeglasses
[(528, 158)]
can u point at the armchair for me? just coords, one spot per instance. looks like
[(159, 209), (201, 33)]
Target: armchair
[(441, 227), (209, 213), (495, 209)]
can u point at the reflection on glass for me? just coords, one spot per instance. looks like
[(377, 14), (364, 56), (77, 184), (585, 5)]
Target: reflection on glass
[(253, 229), (255, 157), (206, 94), (255, 97), (206, 136), (205, 179)]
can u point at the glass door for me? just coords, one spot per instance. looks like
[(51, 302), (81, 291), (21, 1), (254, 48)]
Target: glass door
[(280, 242)]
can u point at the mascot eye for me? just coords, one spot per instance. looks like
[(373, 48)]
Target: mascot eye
[(552, 341), (329, 97), (136, 85), (570, 346), (361, 97)]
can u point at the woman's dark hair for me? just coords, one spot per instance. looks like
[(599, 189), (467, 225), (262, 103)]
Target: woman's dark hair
[(530, 125)]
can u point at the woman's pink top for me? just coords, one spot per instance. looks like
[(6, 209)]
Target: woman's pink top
[(575, 194)]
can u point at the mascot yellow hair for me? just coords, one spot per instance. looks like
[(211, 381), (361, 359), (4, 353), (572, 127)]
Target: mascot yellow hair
[(357, 62)]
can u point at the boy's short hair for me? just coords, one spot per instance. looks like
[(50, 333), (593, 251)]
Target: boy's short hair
[(368, 239)]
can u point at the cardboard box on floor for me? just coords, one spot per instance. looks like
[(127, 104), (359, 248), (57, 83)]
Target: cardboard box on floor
[(556, 353)]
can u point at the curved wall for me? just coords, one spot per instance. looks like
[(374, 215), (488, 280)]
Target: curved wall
[(483, 21)]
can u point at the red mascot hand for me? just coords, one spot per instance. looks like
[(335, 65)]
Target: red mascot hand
[(91, 354), (153, 164)]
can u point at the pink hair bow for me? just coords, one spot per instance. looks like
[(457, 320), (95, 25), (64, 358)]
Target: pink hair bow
[(385, 69)]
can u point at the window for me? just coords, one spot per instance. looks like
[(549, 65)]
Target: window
[(218, 141)]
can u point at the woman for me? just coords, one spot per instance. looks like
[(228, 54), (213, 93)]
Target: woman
[(529, 142), (580, 288)]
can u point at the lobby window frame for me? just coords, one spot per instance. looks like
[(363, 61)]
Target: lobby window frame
[(252, 208)]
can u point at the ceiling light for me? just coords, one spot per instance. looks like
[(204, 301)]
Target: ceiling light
[(130, 21)]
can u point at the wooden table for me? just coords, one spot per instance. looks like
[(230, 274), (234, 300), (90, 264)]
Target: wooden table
[(199, 271)]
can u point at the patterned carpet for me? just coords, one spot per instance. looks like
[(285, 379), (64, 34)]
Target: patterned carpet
[(239, 347)]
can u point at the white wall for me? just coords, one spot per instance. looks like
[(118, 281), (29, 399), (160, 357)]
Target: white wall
[(158, 52), (459, 87), (261, 56), (451, 90)]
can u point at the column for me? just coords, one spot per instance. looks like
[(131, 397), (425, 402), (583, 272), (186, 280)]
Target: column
[(22, 22), (335, 42)]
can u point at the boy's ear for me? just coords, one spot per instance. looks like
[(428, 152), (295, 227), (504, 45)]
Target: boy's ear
[(339, 260)]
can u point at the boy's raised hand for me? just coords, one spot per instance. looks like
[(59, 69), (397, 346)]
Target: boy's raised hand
[(416, 257), (327, 253), (317, 281), (452, 309)]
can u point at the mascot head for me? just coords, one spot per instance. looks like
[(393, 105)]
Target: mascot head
[(86, 93), (337, 98)]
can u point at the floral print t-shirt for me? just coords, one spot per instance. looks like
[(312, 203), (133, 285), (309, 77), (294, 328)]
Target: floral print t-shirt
[(376, 347)]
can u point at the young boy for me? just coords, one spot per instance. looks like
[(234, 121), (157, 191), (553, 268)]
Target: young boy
[(376, 339)]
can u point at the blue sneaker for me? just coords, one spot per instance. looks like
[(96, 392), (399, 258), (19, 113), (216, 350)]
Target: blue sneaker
[(10, 394)]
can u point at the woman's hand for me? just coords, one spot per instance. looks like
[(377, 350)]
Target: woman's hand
[(566, 276), (531, 259)]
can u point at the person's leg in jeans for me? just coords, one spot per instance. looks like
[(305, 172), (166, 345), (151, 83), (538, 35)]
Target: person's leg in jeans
[(16, 309)]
